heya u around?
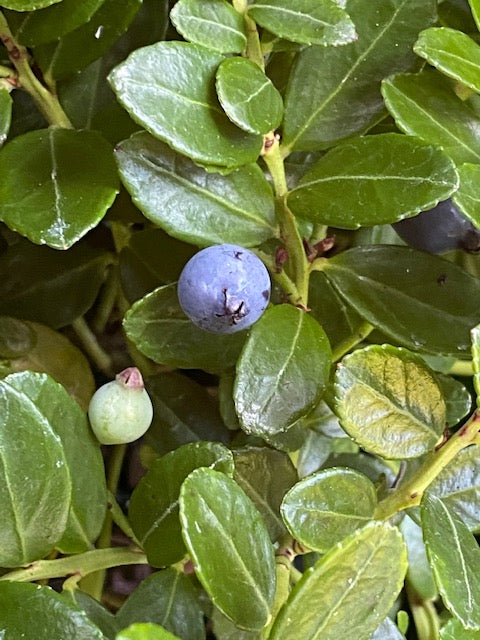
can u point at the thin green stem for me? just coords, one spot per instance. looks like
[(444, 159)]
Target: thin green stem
[(410, 493), (121, 520), (90, 343), (425, 615), (462, 368), (349, 343), (107, 300), (81, 564), (253, 49), (47, 102)]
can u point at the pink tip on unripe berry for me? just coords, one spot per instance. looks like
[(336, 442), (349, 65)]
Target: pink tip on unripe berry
[(130, 378)]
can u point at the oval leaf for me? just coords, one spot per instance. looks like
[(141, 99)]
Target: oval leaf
[(455, 559), (169, 89), (230, 547), (454, 630), (419, 300), (389, 402), (327, 506), (282, 370), (212, 23), (248, 96), (329, 601), (367, 182), (56, 184), (192, 204)]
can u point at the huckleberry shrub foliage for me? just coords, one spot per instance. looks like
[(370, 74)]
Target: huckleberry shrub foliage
[(199, 206)]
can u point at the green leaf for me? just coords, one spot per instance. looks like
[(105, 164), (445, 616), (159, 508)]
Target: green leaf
[(226, 630), (153, 509), (5, 114), (33, 521), (320, 22), (145, 631), (327, 506), (66, 176), (265, 475), (27, 5), (323, 107), (96, 613), (51, 23), (330, 600), (248, 96), (454, 630), (16, 338), (47, 286), (160, 330), (282, 370), (35, 612), (389, 402), (419, 573), (81, 454), (457, 398), (367, 181), (475, 9), (80, 47), (451, 52), (230, 547), (419, 300), (212, 23), (192, 204), (166, 598), (424, 105), (467, 198), (455, 559), (169, 88)]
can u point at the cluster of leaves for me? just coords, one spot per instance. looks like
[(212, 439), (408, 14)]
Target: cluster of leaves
[(290, 128)]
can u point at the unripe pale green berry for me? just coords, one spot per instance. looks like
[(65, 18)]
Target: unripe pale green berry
[(121, 411)]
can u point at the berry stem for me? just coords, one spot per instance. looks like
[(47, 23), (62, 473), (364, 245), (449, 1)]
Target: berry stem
[(253, 50), (90, 343)]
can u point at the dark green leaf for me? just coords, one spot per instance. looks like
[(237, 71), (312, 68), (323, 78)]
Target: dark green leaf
[(212, 23), (80, 47), (419, 300), (454, 630), (330, 600), (169, 88), (32, 521), (226, 630), (248, 96), (334, 92), (419, 573), (265, 475), (51, 23), (166, 598), (56, 184), (27, 5), (145, 631), (368, 181), (52, 287), (97, 613), (192, 204), (424, 105), (320, 22), (282, 370), (389, 402), (5, 114), (455, 559), (34, 612), (159, 329), (153, 508), (467, 198), (451, 52), (312, 454), (16, 338), (457, 399), (327, 506), (230, 547)]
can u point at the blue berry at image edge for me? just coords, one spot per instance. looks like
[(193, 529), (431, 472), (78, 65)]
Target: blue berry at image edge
[(224, 288)]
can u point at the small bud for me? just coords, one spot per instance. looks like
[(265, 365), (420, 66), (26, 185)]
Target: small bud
[(121, 411)]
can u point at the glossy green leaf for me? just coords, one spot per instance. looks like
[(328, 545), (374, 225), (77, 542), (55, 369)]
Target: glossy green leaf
[(424, 105), (327, 506), (51, 23), (282, 370), (389, 402), (330, 600), (145, 631), (451, 52), (47, 286), (265, 475), (166, 598), (419, 300), (387, 631), (5, 114), (419, 573), (212, 23), (367, 182), (320, 22), (454, 630), (27, 5), (97, 613), (169, 89), (32, 521), (457, 398), (160, 330), (475, 9), (334, 92), (35, 612), (248, 96), (455, 559), (230, 547), (67, 176), (314, 451), (83, 45), (225, 629), (192, 204), (153, 509), (467, 198)]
